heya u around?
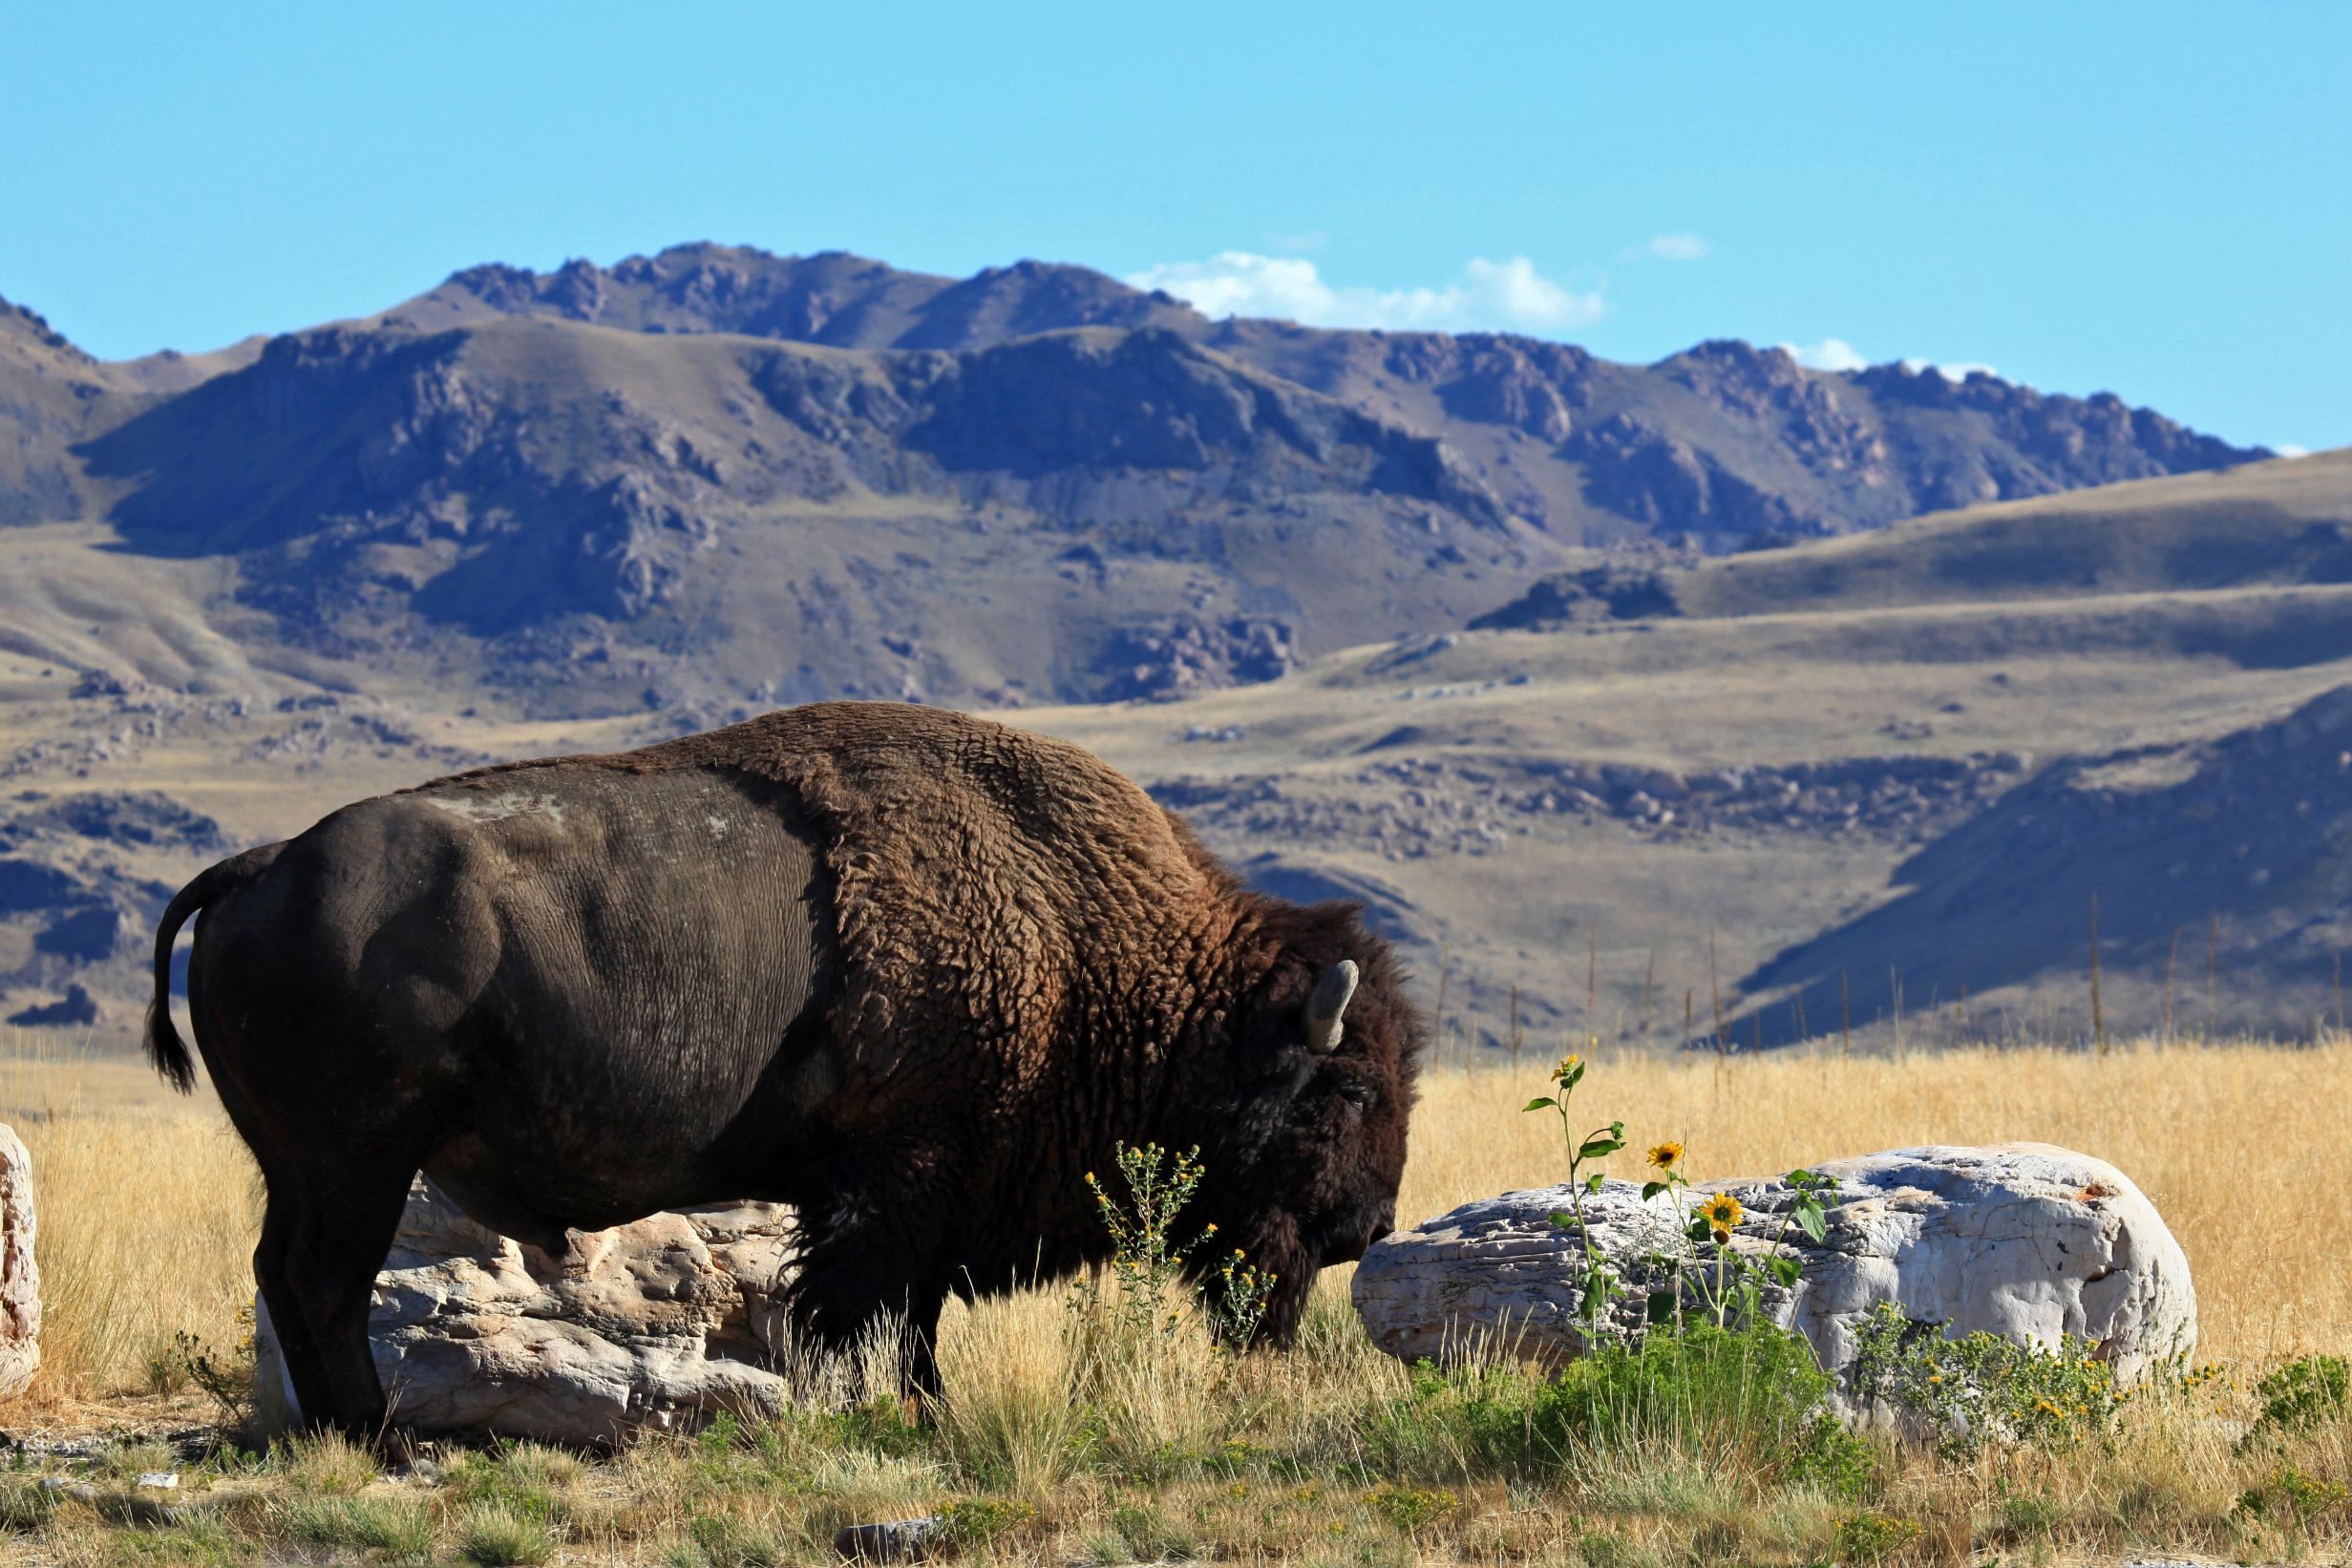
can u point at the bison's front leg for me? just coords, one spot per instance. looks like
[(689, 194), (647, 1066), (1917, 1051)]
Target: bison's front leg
[(873, 1263)]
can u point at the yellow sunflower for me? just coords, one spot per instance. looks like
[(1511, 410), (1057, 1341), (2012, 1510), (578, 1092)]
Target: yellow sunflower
[(1722, 1213), (1667, 1155), (1567, 1066)]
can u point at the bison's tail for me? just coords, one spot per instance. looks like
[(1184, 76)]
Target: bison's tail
[(165, 1047)]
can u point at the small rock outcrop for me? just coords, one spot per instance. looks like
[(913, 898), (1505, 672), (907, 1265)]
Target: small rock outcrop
[(659, 1325), (2024, 1240), (20, 1277)]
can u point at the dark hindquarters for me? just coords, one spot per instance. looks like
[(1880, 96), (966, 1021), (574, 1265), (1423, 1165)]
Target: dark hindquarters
[(317, 1074)]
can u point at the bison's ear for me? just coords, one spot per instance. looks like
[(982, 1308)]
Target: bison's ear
[(1324, 1009)]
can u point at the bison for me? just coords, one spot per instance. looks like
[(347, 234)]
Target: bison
[(912, 973)]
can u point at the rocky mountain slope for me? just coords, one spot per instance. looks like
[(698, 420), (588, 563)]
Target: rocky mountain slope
[(1723, 441), (1807, 812), (713, 480), (578, 516), (1459, 623)]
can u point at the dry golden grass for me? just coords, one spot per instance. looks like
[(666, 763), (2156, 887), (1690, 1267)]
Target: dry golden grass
[(148, 1206), (2231, 1142)]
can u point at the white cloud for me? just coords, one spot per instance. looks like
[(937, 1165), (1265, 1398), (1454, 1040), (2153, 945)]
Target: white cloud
[(1831, 354), (1486, 295), (2288, 449), (1667, 247)]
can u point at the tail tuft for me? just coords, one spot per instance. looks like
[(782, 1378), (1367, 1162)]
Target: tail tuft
[(165, 1047)]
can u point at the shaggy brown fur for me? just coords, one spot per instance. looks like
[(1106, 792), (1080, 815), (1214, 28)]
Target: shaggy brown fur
[(1030, 962)]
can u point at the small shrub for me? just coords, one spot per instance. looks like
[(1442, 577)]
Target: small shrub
[(1873, 1538), (879, 1425), (227, 1376), (721, 1435), (1983, 1387), (1753, 1390), (1830, 1458), (2304, 1393), (2291, 1497), (978, 1520), (1146, 1263), (1411, 1510)]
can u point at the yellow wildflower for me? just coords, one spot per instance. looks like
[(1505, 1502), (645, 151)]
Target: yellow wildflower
[(1722, 1213), (1667, 1155), (1567, 1065)]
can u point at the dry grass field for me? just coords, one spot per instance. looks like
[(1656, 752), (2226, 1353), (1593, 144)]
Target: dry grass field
[(1054, 1451)]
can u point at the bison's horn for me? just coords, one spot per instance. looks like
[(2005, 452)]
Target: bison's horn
[(1326, 1008)]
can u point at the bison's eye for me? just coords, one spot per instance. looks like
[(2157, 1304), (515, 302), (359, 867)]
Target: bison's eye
[(1358, 1096)]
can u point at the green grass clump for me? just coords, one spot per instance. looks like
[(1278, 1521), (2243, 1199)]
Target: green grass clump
[(490, 1536), (401, 1528)]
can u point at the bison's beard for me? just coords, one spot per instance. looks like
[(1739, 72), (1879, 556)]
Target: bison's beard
[(1274, 1247)]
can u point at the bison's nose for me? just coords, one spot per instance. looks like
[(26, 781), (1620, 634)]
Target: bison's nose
[(1381, 1233)]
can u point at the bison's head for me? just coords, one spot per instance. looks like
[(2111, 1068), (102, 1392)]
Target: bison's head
[(1307, 1147)]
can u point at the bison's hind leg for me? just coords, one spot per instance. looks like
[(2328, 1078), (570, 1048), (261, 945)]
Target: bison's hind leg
[(324, 1238)]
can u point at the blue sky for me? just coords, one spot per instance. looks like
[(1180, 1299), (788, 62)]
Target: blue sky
[(2154, 198)]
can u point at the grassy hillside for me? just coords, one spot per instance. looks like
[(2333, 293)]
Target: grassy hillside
[(1675, 808), (1622, 820), (2273, 525)]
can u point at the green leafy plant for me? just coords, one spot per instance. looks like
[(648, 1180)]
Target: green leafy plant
[(1601, 1281), (2304, 1393), (976, 1521), (1873, 1538), (1146, 1263), (1412, 1509), (2291, 1497), (1983, 1387), (1705, 1277)]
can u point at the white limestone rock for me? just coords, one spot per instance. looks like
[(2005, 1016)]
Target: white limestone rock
[(2022, 1240), (658, 1324), (20, 1277)]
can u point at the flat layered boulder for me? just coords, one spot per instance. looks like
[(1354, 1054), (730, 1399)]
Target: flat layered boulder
[(2025, 1241), (659, 1325)]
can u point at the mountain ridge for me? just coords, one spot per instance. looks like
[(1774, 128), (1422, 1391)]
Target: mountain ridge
[(724, 473)]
